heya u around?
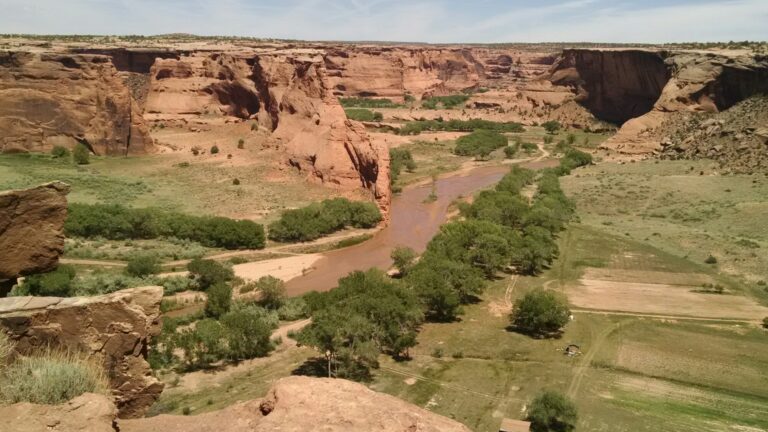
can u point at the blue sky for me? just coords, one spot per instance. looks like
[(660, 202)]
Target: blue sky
[(438, 21)]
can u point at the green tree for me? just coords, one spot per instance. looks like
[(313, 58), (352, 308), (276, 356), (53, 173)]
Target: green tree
[(202, 345), (272, 292), (403, 258), (209, 272), (247, 334), (552, 412), (81, 155), (219, 300), (552, 127), (540, 313), (142, 265)]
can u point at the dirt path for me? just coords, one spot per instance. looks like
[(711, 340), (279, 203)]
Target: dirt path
[(586, 359), (509, 290), (663, 317), (93, 262)]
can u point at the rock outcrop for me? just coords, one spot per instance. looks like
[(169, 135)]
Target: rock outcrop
[(31, 229), (641, 89), (288, 93), (394, 72), (307, 404), (114, 328), (86, 413), (49, 99)]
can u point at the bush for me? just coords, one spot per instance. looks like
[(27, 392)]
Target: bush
[(552, 412), (214, 149), (552, 127), (363, 115), (116, 222), (292, 309), (272, 292), (143, 265), (765, 322), (208, 273), (7, 347), (236, 182), (510, 151), (355, 102), (319, 219), (50, 379), (403, 259), (480, 143), (81, 155), (59, 152), (57, 283), (711, 260), (540, 313), (202, 345), (417, 127), (247, 334), (399, 159), (241, 144), (219, 300)]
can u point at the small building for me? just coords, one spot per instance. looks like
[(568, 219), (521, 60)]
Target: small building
[(509, 425)]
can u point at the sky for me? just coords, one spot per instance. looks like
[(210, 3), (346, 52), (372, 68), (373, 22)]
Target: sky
[(435, 21)]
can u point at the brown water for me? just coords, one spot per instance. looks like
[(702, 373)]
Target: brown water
[(413, 223)]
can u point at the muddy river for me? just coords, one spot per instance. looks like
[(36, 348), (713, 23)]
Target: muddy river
[(412, 223)]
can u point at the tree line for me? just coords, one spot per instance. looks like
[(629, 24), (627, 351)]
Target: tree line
[(323, 218)]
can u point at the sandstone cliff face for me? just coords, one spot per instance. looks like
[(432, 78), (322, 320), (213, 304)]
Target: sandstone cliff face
[(641, 88), (286, 92), (394, 72), (31, 229), (308, 404), (114, 328), (49, 99)]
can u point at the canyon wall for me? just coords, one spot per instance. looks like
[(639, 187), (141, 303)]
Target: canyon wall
[(642, 89), (49, 99), (114, 329)]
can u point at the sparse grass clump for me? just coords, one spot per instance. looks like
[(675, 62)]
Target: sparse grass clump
[(51, 378), (444, 102)]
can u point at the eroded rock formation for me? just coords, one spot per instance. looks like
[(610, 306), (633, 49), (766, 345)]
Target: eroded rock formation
[(49, 99), (642, 88), (288, 93), (113, 328), (308, 404), (31, 229)]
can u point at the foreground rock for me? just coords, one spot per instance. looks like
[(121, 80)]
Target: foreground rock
[(307, 404), (86, 413), (114, 328), (31, 229)]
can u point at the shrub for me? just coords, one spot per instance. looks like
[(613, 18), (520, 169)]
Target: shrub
[(403, 259), (765, 322), (552, 126), (416, 127), (292, 309), (7, 347), (214, 149), (236, 182), (143, 265), (81, 155), (241, 144), (208, 273), (529, 147), (57, 283), (552, 412), (202, 345), (247, 334), (319, 219), (437, 353), (355, 102), (510, 151), (399, 159), (540, 313), (59, 152), (272, 292), (116, 222), (219, 300), (480, 143), (711, 260), (363, 115), (51, 378)]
